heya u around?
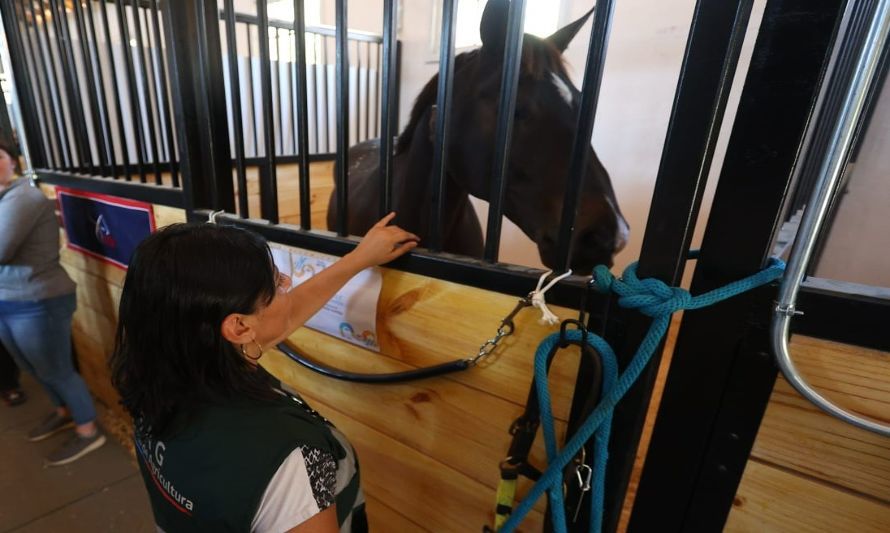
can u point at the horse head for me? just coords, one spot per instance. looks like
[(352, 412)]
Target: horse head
[(544, 126)]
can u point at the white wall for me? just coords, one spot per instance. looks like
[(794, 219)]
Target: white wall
[(858, 244)]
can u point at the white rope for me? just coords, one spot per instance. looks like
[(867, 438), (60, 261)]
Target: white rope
[(213, 216), (538, 301)]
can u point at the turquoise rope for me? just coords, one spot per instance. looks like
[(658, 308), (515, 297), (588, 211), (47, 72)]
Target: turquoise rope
[(655, 299)]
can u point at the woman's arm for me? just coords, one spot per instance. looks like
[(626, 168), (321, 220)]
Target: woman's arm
[(17, 219), (323, 522), (380, 245)]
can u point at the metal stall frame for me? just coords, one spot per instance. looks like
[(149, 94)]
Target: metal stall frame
[(722, 374)]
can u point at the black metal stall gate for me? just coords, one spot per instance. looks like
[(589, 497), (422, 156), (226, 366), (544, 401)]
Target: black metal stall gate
[(150, 118)]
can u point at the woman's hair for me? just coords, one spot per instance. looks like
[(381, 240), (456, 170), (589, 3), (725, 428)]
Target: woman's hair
[(10, 148), (169, 353)]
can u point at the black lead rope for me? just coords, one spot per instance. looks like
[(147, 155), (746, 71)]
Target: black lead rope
[(379, 379), (504, 330)]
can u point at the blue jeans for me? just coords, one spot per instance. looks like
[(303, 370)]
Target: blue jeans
[(38, 335)]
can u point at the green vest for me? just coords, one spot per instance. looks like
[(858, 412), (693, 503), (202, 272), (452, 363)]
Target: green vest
[(211, 476)]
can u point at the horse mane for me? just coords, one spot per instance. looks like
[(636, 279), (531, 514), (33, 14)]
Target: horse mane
[(539, 59)]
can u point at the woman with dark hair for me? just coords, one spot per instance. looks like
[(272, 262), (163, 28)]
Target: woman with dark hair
[(222, 445), (37, 301)]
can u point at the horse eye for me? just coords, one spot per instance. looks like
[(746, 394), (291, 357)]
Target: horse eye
[(520, 113)]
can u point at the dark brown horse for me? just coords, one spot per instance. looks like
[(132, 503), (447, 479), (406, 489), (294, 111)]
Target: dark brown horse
[(546, 109)]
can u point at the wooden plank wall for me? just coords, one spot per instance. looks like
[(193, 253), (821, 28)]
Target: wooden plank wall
[(429, 450)]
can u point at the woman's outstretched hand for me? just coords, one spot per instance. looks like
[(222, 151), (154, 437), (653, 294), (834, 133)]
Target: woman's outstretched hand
[(383, 243)]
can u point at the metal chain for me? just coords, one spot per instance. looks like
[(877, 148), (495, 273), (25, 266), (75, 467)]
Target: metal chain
[(506, 329)]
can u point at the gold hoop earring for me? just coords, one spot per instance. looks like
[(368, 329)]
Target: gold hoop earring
[(247, 355)]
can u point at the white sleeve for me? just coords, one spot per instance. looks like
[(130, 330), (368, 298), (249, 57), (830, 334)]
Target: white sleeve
[(289, 500)]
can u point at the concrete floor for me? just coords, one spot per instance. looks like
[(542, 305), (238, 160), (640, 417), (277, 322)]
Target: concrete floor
[(103, 491)]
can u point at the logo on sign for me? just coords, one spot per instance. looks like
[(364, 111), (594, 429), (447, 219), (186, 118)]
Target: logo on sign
[(103, 233)]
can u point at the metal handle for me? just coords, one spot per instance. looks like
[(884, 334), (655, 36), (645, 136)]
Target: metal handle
[(815, 214)]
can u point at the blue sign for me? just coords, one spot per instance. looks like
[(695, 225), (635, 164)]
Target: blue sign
[(104, 227)]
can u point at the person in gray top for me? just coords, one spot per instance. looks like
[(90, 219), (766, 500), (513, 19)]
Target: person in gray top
[(37, 302)]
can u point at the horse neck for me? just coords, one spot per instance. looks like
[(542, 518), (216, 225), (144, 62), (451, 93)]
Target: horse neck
[(413, 185)]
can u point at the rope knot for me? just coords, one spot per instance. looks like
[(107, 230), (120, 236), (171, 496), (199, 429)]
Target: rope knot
[(649, 296)]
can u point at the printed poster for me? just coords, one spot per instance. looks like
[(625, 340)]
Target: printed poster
[(351, 315)]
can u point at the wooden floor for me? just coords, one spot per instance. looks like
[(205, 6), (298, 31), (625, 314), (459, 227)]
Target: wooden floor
[(809, 471)]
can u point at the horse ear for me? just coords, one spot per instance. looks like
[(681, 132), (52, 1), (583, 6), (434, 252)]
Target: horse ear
[(564, 35), (493, 28)]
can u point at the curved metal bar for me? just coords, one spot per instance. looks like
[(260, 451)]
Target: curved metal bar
[(814, 217)]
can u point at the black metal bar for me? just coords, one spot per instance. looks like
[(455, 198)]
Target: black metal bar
[(154, 194), (474, 273), (102, 94), (251, 97), (379, 101), (25, 84), (125, 150), (317, 100), (872, 101), (369, 133), (302, 113), (237, 123), (165, 101), (269, 172), (358, 92), (593, 73), (855, 39), (396, 113), (146, 85), (277, 92), (55, 89), (387, 127), (504, 131), (830, 107), (342, 111), (62, 90), (49, 110), (684, 485), (364, 80), (443, 121), (327, 98), (131, 84), (69, 71), (292, 89), (6, 132), (197, 82), (92, 89)]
